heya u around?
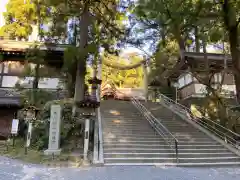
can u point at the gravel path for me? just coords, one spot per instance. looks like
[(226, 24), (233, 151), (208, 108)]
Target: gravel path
[(15, 170)]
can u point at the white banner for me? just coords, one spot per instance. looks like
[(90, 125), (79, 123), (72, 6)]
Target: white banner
[(14, 129)]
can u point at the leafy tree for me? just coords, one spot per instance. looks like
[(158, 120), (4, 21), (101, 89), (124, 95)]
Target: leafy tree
[(189, 25), (104, 14), (231, 22), (129, 77), (21, 16)]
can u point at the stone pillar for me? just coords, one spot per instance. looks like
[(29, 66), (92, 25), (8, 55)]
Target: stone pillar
[(145, 80), (86, 139), (54, 131)]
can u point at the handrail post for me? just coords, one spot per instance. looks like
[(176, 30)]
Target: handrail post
[(176, 150)]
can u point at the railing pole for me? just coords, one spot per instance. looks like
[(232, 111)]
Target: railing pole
[(176, 149)]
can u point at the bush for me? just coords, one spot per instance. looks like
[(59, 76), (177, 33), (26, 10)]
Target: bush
[(69, 128)]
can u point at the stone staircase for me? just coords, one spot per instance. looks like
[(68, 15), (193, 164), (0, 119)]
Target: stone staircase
[(129, 139), (195, 147)]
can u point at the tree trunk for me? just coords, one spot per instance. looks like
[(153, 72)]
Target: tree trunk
[(180, 40), (81, 65), (36, 76), (163, 36), (231, 24), (233, 34), (35, 82), (197, 43)]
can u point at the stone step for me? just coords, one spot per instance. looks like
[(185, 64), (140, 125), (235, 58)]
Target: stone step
[(163, 145), (136, 126), (219, 164), (157, 141), (157, 137), (163, 150), (160, 142), (129, 139), (128, 129), (125, 161), (166, 154), (147, 132), (173, 159), (131, 135), (136, 135), (130, 120), (140, 123)]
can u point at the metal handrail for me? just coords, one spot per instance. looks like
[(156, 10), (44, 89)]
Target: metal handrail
[(222, 132), (167, 136)]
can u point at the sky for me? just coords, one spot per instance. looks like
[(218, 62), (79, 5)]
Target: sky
[(2, 9), (3, 4)]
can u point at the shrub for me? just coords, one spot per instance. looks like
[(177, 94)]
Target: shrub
[(69, 128)]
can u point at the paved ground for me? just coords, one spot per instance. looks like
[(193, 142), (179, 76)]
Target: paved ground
[(15, 170)]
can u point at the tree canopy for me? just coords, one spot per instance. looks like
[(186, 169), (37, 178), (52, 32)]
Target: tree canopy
[(95, 28)]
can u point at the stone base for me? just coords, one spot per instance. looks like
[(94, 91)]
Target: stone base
[(52, 152)]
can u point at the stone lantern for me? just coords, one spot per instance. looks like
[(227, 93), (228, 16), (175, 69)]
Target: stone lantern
[(87, 109), (154, 85), (95, 82), (30, 114)]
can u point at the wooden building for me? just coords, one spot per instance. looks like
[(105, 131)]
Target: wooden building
[(12, 59), (204, 66)]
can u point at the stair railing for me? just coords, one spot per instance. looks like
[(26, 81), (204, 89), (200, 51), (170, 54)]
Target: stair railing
[(220, 131), (168, 137)]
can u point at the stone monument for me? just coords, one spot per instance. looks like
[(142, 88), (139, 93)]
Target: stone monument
[(54, 131)]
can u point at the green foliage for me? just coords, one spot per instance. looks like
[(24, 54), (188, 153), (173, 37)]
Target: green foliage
[(20, 17), (41, 97), (35, 55), (131, 78), (69, 129)]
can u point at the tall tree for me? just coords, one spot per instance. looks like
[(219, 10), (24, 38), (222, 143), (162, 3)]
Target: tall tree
[(21, 16), (231, 18), (106, 14)]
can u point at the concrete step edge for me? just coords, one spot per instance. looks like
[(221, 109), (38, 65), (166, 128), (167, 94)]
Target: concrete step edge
[(173, 164), (152, 153), (157, 149), (173, 158), (179, 145), (160, 141)]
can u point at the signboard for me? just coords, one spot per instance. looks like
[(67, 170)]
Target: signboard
[(55, 119), (14, 129), (29, 134)]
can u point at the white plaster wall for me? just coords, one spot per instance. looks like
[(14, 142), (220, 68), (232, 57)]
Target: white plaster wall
[(200, 88), (46, 83)]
